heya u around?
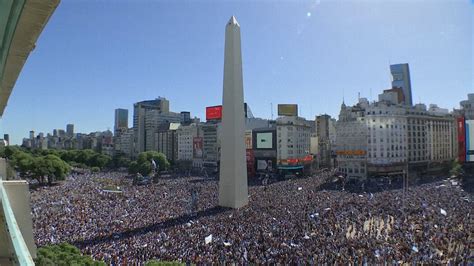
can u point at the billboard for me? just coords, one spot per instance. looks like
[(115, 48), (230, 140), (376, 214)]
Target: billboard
[(264, 140), (469, 140), (461, 139), (248, 139), (214, 112), (288, 110), (197, 147), (351, 152)]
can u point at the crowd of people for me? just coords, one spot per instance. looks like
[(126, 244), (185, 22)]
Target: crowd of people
[(292, 221)]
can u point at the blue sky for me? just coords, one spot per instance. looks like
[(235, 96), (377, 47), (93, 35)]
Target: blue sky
[(95, 56)]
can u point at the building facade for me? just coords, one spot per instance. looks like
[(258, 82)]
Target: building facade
[(293, 140), (211, 144), (186, 136), (70, 130), (167, 142), (401, 79), (382, 138), (149, 117), (121, 120)]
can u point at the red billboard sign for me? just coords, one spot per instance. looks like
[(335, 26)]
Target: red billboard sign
[(214, 112)]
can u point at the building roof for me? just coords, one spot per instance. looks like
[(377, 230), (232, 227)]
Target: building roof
[(21, 23)]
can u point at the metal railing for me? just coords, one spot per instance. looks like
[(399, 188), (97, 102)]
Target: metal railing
[(22, 254)]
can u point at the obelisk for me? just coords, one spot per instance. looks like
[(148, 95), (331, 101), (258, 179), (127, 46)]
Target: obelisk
[(233, 188)]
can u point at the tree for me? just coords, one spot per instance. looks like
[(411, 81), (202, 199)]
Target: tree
[(22, 162), (50, 166), (10, 151), (99, 160), (456, 168), (63, 254), (133, 167), (143, 163), (119, 160)]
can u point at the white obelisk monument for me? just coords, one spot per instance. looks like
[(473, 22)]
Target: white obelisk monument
[(233, 188)]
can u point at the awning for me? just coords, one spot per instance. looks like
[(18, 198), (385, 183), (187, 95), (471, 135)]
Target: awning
[(21, 23)]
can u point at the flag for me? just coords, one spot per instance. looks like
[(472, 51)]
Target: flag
[(208, 239), (443, 212)]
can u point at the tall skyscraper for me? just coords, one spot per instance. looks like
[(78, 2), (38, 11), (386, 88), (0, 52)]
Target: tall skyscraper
[(32, 134), (401, 79), (233, 188), (70, 130), (6, 137), (121, 119)]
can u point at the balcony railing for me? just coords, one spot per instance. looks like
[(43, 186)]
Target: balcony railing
[(21, 254)]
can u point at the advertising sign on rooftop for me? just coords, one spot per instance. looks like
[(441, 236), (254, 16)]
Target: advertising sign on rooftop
[(214, 112), (288, 110)]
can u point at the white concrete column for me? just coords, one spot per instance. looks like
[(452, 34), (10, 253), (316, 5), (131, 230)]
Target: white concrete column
[(233, 188)]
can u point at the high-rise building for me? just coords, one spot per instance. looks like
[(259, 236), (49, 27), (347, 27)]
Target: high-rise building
[(32, 134), (401, 79), (70, 130), (121, 120), (186, 136), (211, 144), (293, 138), (148, 117), (123, 143), (61, 133), (323, 125), (6, 137), (167, 142), (185, 118)]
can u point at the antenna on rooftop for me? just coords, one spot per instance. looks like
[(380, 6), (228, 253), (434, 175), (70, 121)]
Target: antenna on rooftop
[(271, 109)]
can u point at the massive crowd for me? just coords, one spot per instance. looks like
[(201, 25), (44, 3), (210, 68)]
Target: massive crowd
[(292, 221)]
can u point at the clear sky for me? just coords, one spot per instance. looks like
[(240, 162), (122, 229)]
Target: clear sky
[(95, 56)]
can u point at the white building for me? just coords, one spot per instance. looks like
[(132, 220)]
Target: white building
[(186, 135), (293, 139), (381, 138), (351, 147)]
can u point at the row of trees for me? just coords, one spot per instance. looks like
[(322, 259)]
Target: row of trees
[(48, 167), (54, 165), (66, 254)]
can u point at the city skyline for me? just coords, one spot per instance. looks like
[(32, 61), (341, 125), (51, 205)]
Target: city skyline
[(311, 41)]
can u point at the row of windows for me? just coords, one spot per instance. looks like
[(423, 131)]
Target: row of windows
[(352, 170)]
